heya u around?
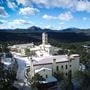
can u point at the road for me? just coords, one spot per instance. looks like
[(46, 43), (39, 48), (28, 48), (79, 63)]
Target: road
[(22, 82)]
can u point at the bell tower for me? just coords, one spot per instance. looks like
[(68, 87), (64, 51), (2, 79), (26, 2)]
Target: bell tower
[(44, 38)]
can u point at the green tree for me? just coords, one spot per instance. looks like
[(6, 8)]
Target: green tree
[(82, 79), (35, 80), (4, 47), (27, 52), (66, 83), (7, 78), (59, 75)]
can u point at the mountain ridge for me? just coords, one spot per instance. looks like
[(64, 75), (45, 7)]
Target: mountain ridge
[(35, 28), (33, 34)]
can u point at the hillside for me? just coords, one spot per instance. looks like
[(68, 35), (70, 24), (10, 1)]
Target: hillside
[(33, 34)]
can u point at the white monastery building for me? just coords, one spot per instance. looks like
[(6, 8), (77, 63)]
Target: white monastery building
[(45, 60)]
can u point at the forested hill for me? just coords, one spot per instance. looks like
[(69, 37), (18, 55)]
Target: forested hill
[(33, 34)]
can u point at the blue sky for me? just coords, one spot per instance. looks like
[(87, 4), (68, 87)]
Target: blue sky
[(53, 14)]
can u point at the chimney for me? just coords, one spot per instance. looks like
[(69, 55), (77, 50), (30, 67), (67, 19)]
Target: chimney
[(54, 60)]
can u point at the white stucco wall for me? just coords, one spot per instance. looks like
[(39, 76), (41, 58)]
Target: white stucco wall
[(75, 65), (45, 73), (72, 65)]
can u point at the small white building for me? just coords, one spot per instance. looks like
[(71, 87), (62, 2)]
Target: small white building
[(45, 59), (87, 47), (45, 72), (9, 62)]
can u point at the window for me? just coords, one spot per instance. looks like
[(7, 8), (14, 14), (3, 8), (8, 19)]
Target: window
[(70, 71), (57, 68), (54, 60), (46, 76), (70, 65), (66, 73), (66, 66), (62, 66)]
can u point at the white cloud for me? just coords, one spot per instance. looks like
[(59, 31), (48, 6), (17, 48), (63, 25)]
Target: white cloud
[(19, 22), (67, 16), (41, 2), (83, 6), (2, 24), (2, 21), (24, 2), (53, 3), (84, 18), (3, 13), (48, 27), (1, 27), (61, 23), (48, 17), (28, 11), (29, 2), (11, 5), (62, 3), (78, 5), (47, 3)]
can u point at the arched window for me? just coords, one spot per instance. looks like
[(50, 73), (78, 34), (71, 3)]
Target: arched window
[(70, 65), (46, 76), (66, 66), (62, 66), (57, 68)]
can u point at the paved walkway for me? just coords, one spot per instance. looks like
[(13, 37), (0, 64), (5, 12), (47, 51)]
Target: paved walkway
[(22, 83)]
